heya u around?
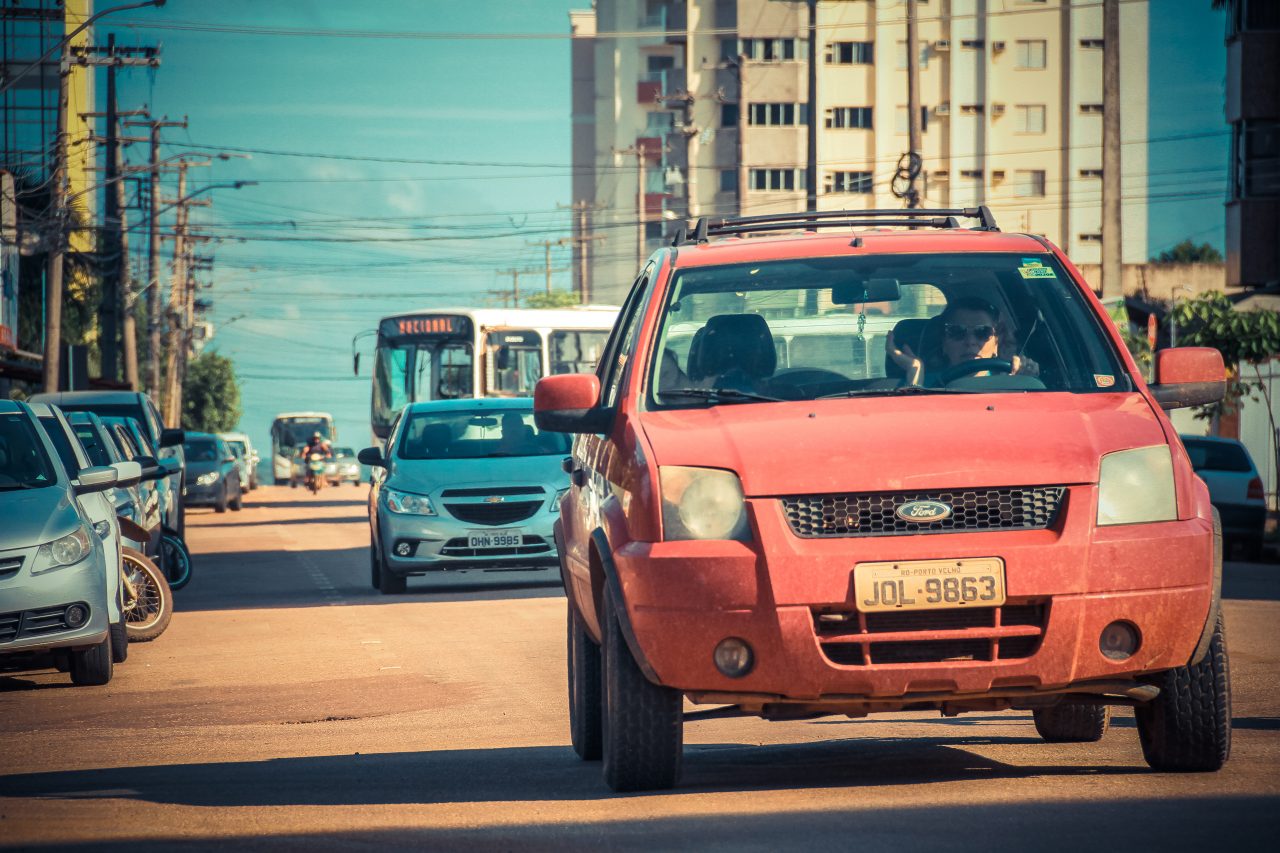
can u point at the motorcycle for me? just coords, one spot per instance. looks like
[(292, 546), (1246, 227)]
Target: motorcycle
[(148, 599), (316, 473)]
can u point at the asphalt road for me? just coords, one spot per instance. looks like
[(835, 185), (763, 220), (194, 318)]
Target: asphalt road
[(289, 706)]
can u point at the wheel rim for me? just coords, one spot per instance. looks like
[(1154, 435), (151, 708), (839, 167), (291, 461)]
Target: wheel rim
[(147, 606)]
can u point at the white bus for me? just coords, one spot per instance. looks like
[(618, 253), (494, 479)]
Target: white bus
[(290, 430), (448, 353)]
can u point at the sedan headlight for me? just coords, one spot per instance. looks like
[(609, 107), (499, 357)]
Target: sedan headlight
[(408, 504), (67, 551), (208, 479), (1136, 486), (555, 502), (702, 503)]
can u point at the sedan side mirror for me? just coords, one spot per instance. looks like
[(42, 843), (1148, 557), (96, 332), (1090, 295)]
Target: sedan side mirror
[(127, 474), (372, 457), (1189, 376), (172, 437), (151, 468), (569, 403), (96, 479)]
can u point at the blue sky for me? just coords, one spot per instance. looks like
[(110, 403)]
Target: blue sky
[(287, 305)]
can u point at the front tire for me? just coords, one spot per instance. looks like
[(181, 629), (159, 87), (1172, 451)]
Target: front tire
[(642, 740), (92, 666), (586, 689), (375, 570), (390, 583), (1072, 723), (221, 505), (1188, 726), (237, 503), (119, 641)]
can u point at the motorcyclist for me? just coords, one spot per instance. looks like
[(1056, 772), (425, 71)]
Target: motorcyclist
[(316, 448)]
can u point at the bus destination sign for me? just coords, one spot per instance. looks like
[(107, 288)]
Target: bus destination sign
[(425, 325)]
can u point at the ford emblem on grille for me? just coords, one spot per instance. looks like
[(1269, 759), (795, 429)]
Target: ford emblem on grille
[(923, 512), (497, 499)]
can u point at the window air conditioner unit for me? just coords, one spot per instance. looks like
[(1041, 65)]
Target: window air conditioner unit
[(942, 44), (997, 175), (942, 109), (997, 46), (941, 175), (997, 109)]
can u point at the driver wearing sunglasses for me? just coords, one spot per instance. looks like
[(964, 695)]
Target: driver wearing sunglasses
[(970, 332)]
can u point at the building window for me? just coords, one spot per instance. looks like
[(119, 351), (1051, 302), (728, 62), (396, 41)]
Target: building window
[(902, 53), (973, 44), (971, 174), (1091, 109), (777, 115), (848, 182), (900, 120), (763, 49), (728, 180), (776, 179), (971, 109), (1255, 159), (728, 115), (838, 117), (1028, 183), (1091, 173), (851, 53), (1032, 53), (657, 123), (1091, 44), (1089, 238), (1030, 118)]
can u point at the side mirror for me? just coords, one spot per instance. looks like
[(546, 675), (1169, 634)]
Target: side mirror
[(96, 479), (152, 469), (1189, 376), (171, 465), (172, 437), (355, 364), (127, 474), (372, 457), (568, 403)]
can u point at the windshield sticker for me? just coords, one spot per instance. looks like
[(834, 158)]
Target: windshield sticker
[(1032, 268), (1104, 381)]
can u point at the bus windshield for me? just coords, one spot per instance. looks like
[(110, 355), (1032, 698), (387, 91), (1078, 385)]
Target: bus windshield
[(407, 371)]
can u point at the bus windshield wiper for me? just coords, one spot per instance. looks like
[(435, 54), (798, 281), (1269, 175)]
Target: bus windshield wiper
[(723, 395), (905, 390)]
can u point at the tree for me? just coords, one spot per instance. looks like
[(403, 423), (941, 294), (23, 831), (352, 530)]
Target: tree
[(211, 397), (554, 299), (1243, 337), (1187, 252)]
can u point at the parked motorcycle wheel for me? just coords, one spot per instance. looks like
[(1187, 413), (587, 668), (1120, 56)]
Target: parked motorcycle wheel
[(148, 604), (176, 558)]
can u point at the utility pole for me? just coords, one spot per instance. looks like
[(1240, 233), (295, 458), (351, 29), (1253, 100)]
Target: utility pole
[(581, 242), (53, 274), (112, 57), (640, 152), (546, 245), (515, 281), (1112, 258), (913, 101), (128, 325), (811, 165)]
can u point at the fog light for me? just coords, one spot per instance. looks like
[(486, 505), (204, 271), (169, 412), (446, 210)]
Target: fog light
[(1119, 641), (76, 615), (404, 548), (734, 658)]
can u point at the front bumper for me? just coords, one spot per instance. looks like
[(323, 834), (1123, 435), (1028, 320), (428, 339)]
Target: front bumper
[(31, 606), (439, 543), (1064, 585), (203, 495)]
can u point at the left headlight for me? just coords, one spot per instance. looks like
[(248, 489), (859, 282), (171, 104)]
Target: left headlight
[(555, 502), (702, 503), (408, 504), (67, 551), (1136, 486), (208, 479)]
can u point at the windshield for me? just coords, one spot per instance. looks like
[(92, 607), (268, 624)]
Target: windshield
[(513, 363), (201, 451), (342, 452), (409, 371), (477, 434), (576, 352), (295, 431), (237, 447), (822, 327), (135, 432), (92, 444), (23, 463)]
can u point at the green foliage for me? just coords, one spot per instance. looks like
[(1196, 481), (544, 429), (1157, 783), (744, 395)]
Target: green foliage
[(1187, 252), (554, 299), (1243, 337), (1139, 348), (211, 397)]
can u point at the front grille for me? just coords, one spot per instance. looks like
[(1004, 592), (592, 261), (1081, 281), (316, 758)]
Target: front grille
[(32, 623), (850, 638), (874, 514), (9, 567), (457, 547), (485, 492), (503, 513)]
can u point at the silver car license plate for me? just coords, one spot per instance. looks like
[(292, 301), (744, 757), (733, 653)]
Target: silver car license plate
[(511, 537)]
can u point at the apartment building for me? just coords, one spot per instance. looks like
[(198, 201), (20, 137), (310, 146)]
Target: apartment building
[(688, 108)]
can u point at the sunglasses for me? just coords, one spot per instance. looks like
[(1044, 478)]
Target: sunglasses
[(955, 332)]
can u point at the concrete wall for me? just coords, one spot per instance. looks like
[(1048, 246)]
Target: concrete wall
[(1157, 281)]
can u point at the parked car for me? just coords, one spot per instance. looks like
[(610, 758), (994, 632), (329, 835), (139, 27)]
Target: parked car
[(344, 467), (834, 473), (136, 445), (140, 502), (213, 474), (1235, 488), (132, 404), (246, 456), (465, 484)]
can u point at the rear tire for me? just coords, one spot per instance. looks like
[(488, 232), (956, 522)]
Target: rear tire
[(586, 690), (1187, 728), (149, 615), (119, 641), (643, 723), (1072, 723), (93, 666)]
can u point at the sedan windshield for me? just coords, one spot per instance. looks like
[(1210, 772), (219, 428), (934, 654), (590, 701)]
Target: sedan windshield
[(23, 463), (878, 325), (201, 451), (477, 434)]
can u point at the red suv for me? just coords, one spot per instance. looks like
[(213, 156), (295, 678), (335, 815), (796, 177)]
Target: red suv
[(859, 469)]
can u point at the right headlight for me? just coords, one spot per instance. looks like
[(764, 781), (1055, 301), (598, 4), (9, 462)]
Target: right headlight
[(702, 503), (1136, 486), (59, 553), (407, 503)]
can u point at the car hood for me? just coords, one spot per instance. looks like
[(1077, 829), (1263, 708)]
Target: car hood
[(35, 516), (425, 476), (906, 443)]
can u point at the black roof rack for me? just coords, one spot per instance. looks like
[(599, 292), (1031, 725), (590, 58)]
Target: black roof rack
[(910, 218)]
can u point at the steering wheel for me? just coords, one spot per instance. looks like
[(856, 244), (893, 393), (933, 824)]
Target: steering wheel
[(976, 365)]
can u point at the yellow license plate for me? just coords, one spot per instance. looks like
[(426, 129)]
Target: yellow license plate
[(929, 584)]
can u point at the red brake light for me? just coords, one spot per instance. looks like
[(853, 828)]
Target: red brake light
[(1255, 489)]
